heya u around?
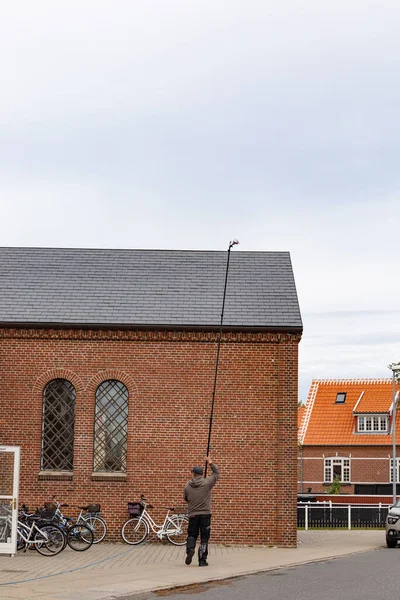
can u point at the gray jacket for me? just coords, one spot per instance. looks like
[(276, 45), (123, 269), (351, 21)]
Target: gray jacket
[(197, 492)]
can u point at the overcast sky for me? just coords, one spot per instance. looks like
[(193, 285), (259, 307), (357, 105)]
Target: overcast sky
[(181, 124)]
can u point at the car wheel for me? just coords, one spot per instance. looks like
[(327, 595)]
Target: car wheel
[(391, 543)]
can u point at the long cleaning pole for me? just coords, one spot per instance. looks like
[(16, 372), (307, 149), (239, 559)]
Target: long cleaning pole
[(231, 244)]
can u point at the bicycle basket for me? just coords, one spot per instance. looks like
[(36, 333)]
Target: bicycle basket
[(135, 509), (50, 507), (93, 508), (45, 513)]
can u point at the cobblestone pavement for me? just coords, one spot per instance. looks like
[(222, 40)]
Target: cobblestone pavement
[(111, 570)]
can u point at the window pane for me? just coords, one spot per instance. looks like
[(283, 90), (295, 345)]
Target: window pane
[(337, 471), (397, 469), (59, 399), (111, 427)]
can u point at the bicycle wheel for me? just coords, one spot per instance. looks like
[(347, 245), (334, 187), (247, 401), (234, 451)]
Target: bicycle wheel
[(177, 532), (20, 541), (134, 531), (79, 538), (49, 540), (98, 526)]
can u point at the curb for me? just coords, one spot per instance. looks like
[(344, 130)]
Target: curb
[(199, 584)]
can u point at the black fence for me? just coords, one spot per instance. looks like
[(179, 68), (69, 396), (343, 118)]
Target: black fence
[(327, 515)]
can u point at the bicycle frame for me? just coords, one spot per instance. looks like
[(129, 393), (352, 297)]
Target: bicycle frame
[(23, 528), (80, 520), (159, 530), (62, 519)]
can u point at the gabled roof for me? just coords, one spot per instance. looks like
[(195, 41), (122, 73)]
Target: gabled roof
[(147, 288), (327, 422)]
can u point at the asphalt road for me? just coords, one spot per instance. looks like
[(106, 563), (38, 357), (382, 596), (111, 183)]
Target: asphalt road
[(368, 576)]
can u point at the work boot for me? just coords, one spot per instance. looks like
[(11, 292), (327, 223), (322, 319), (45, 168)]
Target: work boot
[(203, 563), (189, 556)]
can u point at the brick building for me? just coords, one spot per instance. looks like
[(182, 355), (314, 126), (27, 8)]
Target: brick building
[(107, 361), (346, 431)]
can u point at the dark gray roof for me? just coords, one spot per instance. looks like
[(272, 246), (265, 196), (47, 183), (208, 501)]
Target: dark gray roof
[(54, 286)]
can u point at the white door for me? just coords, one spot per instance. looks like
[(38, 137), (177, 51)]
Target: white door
[(9, 483)]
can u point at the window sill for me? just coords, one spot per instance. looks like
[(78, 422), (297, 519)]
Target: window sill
[(108, 476), (372, 433), (55, 475)]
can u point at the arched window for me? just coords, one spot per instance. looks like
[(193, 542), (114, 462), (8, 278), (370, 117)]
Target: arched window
[(59, 398), (111, 427)]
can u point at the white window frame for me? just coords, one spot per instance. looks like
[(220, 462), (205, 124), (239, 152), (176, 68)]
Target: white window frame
[(372, 424), (391, 470), (337, 461)]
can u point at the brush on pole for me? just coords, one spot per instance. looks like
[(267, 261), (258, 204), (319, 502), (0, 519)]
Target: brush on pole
[(231, 244)]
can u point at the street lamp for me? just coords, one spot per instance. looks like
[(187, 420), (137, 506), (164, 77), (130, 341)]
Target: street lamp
[(396, 372)]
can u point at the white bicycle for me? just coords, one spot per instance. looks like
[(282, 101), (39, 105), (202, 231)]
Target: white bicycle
[(47, 539), (136, 529)]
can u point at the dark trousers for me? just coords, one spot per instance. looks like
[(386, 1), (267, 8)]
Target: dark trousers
[(199, 524)]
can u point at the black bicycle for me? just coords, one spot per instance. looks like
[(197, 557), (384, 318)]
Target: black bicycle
[(78, 536)]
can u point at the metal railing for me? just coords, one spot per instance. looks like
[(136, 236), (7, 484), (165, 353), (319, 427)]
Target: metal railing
[(330, 515)]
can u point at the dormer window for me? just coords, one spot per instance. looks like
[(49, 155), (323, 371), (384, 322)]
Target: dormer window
[(372, 424), (340, 398)]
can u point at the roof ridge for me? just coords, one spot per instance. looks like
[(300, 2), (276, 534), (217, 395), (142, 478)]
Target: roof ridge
[(163, 250), (358, 401), (308, 409), (355, 380)]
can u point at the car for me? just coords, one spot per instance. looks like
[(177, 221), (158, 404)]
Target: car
[(392, 525)]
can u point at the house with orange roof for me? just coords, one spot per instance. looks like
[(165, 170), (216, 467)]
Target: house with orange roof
[(345, 431)]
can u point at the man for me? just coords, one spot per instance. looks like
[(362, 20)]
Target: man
[(197, 494)]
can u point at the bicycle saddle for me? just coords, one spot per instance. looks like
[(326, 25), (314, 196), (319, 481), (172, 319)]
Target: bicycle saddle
[(169, 508)]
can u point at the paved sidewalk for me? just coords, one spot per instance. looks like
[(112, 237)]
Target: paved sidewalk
[(107, 571)]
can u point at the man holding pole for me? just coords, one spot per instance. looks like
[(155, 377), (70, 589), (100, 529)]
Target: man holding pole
[(197, 494)]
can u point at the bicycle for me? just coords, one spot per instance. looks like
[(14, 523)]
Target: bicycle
[(5, 522), (78, 536), (136, 529), (47, 539), (92, 519)]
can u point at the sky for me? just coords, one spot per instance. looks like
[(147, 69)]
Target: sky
[(183, 125)]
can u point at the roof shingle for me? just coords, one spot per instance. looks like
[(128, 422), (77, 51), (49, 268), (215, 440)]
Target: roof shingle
[(74, 286)]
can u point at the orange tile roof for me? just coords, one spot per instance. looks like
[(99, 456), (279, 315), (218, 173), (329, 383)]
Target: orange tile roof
[(375, 400), (326, 422)]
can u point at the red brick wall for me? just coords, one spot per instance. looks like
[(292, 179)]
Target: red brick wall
[(369, 464), (169, 377)]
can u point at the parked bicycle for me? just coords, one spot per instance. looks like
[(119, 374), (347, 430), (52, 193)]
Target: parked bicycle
[(5, 521), (137, 528), (91, 517), (47, 539), (78, 536)]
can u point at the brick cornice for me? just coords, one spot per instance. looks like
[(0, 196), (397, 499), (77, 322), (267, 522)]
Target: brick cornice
[(149, 335)]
